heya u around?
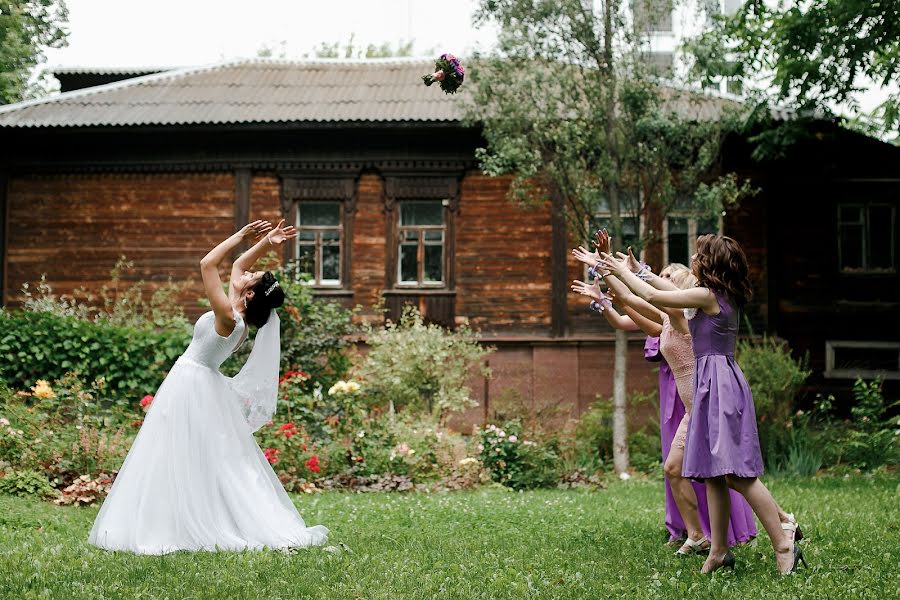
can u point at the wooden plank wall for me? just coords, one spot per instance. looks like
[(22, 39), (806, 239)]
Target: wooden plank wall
[(74, 228)]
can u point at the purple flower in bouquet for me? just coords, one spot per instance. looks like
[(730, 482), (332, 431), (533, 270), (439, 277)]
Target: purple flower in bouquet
[(449, 72)]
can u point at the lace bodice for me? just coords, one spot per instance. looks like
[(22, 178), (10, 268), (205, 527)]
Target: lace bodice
[(208, 347), (676, 349)]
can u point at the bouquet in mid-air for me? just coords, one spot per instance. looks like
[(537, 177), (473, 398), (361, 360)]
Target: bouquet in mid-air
[(448, 71)]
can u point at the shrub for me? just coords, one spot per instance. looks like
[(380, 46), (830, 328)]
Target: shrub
[(314, 332), (421, 368), (44, 345), (869, 439), (592, 448), (27, 483), (516, 462), (775, 379)]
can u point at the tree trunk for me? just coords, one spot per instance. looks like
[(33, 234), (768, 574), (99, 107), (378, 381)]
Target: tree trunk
[(620, 414), (620, 404)]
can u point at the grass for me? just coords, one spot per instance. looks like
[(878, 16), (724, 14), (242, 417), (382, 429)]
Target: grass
[(485, 544)]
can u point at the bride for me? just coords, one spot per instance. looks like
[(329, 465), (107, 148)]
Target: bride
[(195, 479)]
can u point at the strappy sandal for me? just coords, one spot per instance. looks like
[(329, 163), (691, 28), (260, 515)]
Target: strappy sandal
[(795, 533), (690, 546)]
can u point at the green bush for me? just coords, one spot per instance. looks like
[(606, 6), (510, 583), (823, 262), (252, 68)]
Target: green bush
[(516, 462), (421, 368), (866, 441), (775, 378), (43, 345), (27, 483), (593, 440), (315, 333)]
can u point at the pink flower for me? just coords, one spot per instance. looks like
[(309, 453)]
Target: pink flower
[(513, 439), (438, 76), (146, 401)]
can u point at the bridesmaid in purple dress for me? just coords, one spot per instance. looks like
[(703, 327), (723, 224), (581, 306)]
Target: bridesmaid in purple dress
[(722, 443), (687, 518)]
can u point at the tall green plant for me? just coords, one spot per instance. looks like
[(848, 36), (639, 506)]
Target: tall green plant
[(421, 367), (775, 378)]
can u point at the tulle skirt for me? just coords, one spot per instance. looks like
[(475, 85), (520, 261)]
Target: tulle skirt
[(195, 479)]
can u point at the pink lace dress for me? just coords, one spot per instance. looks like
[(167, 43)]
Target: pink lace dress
[(677, 350)]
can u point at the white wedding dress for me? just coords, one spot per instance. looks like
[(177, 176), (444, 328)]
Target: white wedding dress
[(195, 479)]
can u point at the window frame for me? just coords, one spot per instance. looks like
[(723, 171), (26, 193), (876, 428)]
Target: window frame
[(866, 239), (606, 214), (420, 252), (318, 281), (692, 219), (832, 373)]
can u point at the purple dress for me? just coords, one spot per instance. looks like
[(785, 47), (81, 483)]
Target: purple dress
[(742, 526), (722, 437)]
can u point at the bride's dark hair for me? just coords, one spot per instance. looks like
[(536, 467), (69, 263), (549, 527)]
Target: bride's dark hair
[(267, 294)]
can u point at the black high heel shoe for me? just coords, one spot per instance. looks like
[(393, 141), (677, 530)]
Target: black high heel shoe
[(727, 563), (798, 558)]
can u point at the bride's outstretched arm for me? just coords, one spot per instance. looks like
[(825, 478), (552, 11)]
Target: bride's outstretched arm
[(209, 271), (272, 239)]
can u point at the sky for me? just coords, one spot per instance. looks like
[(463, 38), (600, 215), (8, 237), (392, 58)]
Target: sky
[(173, 33), (116, 33)]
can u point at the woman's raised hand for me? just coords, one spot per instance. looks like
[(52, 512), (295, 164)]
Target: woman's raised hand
[(255, 230), (603, 243), (615, 265), (583, 255), (591, 290), (633, 263), (281, 233)]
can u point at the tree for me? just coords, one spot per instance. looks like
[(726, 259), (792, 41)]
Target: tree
[(350, 50), (812, 55), (573, 111), (27, 28)]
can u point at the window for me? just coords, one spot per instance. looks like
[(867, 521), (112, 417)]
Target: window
[(734, 85), (680, 234), (421, 235), (652, 15), (631, 232), (662, 63), (849, 360), (866, 238), (319, 230)]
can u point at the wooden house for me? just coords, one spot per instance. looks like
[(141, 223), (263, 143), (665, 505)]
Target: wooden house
[(379, 173)]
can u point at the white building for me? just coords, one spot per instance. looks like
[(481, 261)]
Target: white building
[(669, 23)]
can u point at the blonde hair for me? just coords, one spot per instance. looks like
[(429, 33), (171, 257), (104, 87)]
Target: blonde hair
[(681, 276)]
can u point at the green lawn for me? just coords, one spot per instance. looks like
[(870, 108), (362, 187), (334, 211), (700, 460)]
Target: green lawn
[(485, 544)]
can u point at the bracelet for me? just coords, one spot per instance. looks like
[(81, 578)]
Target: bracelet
[(268, 239), (595, 271), (600, 306)]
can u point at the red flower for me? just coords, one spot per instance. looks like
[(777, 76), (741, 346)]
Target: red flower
[(313, 464), (145, 401), (137, 423), (271, 455), (288, 429)]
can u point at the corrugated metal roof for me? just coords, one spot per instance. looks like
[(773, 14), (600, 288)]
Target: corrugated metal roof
[(250, 91)]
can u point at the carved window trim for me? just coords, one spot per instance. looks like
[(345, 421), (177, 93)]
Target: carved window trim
[(413, 187), (296, 188)]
